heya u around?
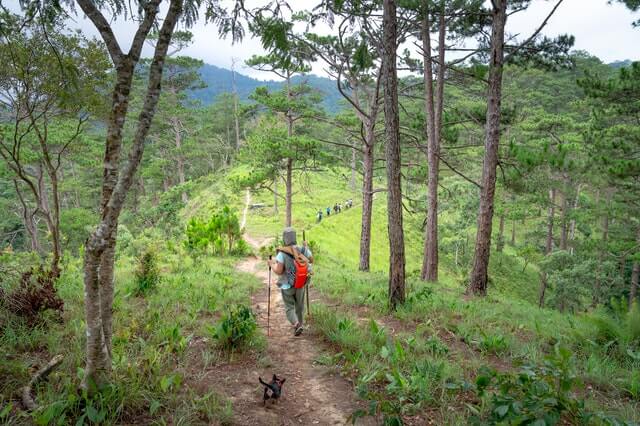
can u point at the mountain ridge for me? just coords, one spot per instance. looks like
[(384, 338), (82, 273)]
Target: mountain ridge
[(220, 80)]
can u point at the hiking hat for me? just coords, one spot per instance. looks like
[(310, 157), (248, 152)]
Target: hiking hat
[(289, 236)]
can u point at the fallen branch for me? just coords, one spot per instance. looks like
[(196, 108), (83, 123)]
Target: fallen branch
[(27, 400)]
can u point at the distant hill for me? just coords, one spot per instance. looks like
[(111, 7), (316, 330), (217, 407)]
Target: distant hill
[(620, 64), (219, 80)]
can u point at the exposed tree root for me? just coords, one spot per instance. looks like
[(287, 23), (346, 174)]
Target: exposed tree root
[(27, 400)]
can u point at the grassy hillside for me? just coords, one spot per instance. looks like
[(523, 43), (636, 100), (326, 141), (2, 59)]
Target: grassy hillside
[(442, 358), (503, 331)]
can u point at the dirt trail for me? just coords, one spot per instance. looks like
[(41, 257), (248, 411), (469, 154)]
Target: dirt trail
[(313, 394)]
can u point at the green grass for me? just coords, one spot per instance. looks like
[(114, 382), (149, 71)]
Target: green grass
[(150, 345), (504, 329), (439, 338)]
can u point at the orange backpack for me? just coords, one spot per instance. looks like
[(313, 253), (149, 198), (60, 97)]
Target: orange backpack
[(301, 263)]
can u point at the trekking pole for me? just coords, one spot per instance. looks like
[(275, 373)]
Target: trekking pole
[(304, 238), (269, 299)]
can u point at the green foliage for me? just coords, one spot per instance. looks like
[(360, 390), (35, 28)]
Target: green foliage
[(221, 234), (493, 343), (535, 395), (75, 224), (236, 327), (147, 274), (617, 331), (567, 274)]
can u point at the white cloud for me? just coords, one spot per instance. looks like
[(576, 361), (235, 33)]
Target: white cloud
[(601, 29)]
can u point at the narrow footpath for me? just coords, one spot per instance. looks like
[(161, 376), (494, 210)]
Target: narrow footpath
[(313, 394)]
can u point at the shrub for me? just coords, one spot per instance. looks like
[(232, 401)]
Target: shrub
[(35, 294), (618, 331), (221, 234), (236, 327), (537, 394), (147, 275), (493, 343)]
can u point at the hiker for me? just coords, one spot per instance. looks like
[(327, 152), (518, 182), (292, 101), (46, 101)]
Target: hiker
[(319, 216), (328, 211), (285, 266)]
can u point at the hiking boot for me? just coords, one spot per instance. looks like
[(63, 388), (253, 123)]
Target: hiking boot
[(298, 330)]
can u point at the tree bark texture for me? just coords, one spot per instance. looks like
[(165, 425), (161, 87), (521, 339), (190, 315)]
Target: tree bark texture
[(289, 180), (392, 154), (354, 167), (548, 245), (100, 246), (479, 274), (177, 128), (289, 191), (367, 202), (602, 252), (550, 221), (433, 108), (564, 224)]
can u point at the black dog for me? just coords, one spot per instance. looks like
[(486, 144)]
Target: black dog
[(272, 390)]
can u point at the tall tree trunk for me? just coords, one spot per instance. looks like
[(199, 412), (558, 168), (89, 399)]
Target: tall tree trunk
[(548, 245), (550, 220), (433, 130), (513, 233), (177, 128), (275, 195), (635, 275), (564, 225), (367, 200), (289, 193), (479, 274), (51, 217), (289, 181), (28, 220), (98, 266), (601, 252), (354, 167), (543, 289), (393, 157), (572, 222)]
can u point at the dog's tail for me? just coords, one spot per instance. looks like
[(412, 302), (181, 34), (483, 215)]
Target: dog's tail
[(265, 384)]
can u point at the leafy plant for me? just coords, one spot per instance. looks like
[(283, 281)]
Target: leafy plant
[(235, 328), (221, 234), (147, 274), (618, 331), (35, 294), (493, 343), (536, 395)]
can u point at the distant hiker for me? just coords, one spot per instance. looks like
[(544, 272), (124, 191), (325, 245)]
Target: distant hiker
[(319, 216), (293, 265), (328, 211), (335, 208)]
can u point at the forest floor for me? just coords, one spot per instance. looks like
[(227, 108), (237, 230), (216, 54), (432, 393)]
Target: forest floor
[(313, 394)]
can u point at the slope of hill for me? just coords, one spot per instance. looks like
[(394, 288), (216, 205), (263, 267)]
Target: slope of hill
[(220, 80)]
